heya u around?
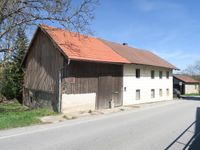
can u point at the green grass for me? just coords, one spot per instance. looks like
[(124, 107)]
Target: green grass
[(192, 94), (12, 115)]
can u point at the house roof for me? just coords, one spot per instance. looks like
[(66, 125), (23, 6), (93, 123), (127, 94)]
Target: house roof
[(80, 47), (86, 48), (138, 56), (186, 79)]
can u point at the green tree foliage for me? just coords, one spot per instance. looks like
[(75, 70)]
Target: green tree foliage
[(13, 73)]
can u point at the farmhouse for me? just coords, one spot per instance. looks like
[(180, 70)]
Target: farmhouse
[(186, 84), (147, 78), (74, 72)]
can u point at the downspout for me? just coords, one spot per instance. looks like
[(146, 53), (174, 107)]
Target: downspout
[(60, 86), (59, 91)]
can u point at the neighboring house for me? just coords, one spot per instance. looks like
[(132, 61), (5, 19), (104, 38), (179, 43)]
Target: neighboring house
[(186, 84), (75, 72)]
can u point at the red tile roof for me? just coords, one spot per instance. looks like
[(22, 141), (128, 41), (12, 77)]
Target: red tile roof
[(87, 48), (186, 79), (80, 47)]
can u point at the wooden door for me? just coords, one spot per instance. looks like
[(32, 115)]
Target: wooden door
[(117, 88), (104, 95), (109, 89)]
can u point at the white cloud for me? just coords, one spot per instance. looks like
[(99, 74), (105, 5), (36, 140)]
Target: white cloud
[(151, 5), (177, 54)]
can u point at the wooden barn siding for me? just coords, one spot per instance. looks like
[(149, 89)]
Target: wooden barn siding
[(42, 67), (86, 77)]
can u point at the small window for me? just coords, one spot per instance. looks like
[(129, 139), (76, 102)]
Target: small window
[(167, 92), (160, 93), (152, 74), (160, 74), (137, 94), (125, 89), (137, 73), (195, 87), (152, 93), (167, 74)]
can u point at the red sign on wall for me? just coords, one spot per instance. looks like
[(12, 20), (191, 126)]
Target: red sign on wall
[(71, 79)]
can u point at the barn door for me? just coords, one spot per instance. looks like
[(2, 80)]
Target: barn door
[(109, 89), (104, 95), (117, 90)]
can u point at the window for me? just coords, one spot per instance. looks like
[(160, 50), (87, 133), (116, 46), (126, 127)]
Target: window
[(125, 89), (167, 92), (160, 93), (195, 86), (137, 73), (160, 74), (152, 74), (137, 94), (152, 93), (167, 74)]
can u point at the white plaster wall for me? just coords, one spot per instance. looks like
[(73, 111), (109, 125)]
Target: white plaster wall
[(190, 88), (78, 102), (145, 84)]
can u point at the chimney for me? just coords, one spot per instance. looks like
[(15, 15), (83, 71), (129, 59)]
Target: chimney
[(124, 44)]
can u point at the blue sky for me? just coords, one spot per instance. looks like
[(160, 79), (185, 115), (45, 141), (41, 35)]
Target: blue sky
[(169, 28)]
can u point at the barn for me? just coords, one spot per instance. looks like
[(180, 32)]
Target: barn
[(185, 84), (70, 71)]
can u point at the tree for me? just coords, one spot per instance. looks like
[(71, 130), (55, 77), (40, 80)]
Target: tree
[(193, 70), (13, 72), (15, 14)]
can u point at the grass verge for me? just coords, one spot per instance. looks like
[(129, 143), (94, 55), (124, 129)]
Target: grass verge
[(12, 115), (192, 94)]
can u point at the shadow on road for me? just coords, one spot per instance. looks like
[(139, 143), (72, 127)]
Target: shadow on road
[(194, 142), (196, 98)]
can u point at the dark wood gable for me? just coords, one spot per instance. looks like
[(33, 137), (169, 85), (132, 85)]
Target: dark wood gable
[(41, 82), (42, 65)]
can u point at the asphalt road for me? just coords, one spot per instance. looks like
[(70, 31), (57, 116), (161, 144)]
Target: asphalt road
[(154, 127)]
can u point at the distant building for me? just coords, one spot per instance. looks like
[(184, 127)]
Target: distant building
[(186, 84)]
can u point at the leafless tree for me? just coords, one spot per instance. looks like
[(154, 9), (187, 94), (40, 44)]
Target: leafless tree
[(193, 70), (71, 14)]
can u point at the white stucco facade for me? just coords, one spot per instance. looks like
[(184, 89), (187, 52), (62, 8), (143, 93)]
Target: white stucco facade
[(191, 88), (163, 87), (78, 102)]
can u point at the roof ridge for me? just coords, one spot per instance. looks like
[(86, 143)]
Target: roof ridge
[(65, 30), (139, 49), (86, 53)]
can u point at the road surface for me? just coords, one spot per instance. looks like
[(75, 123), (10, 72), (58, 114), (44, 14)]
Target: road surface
[(154, 127)]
